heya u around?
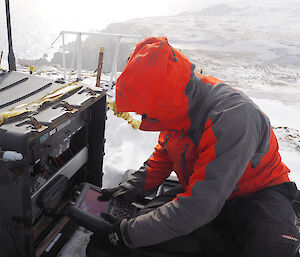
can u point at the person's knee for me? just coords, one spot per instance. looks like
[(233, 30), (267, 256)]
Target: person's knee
[(270, 249), (274, 244)]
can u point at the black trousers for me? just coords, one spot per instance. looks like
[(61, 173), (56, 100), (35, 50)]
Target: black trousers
[(259, 225)]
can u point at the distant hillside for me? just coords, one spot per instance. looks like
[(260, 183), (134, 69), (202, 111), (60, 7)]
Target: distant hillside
[(263, 34)]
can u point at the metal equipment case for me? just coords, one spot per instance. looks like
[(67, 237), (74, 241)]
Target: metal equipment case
[(62, 144)]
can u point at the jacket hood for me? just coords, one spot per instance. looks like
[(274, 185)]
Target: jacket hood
[(153, 83)]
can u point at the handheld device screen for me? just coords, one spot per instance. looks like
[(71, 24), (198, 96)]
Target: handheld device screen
[(91, 205)]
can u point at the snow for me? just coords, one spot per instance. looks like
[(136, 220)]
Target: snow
[(125, 148), (292, 160), (279, 113), (77, 245)]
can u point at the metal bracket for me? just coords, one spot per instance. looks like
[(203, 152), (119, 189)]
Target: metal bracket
[(68, 107), (36, 125), (91, 91)]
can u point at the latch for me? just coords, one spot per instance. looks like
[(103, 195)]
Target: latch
[(36, 125), (68, 107), (90, 91)]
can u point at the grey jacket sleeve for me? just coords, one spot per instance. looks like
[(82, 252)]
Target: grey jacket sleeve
[(237, 133)]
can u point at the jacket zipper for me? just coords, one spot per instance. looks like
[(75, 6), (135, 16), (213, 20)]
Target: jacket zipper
[(183, 164), (167, 137)]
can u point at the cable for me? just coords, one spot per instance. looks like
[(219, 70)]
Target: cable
[(45, 54), (46, 174), (57, 165), (60, 160)]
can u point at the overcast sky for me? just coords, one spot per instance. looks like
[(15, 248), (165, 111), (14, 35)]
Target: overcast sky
[(39, 22), (97, 13)]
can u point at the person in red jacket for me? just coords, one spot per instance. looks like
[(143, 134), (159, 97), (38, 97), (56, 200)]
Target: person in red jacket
[(223, 150)]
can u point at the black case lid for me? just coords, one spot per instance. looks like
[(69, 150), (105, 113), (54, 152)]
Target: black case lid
[(20, 89)]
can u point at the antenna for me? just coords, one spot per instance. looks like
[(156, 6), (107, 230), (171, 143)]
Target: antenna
[(11, 56)]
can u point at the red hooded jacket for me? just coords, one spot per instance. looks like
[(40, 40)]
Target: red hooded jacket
[(218, 142)]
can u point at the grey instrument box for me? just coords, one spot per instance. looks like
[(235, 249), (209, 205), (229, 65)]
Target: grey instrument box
[(62, 144)]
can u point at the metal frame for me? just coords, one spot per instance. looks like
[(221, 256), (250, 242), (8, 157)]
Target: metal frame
[(117, 37)]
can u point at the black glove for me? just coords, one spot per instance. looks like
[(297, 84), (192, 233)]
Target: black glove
[(110, 241), (107, 194), (122, 193)]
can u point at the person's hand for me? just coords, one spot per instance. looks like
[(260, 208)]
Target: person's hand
[(123, 194), (107, 194), (110, 240), (112, 220)]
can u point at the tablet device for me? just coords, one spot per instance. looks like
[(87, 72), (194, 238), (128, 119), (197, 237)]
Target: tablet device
[(86, 209)]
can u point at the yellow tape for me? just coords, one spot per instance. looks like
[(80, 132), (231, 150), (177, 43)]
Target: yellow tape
[(31, 68), (35, 105), (125, 115), (101, 49), (1, 119)]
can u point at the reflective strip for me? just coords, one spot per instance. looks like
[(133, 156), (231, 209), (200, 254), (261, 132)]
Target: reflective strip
[(290, 237)]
